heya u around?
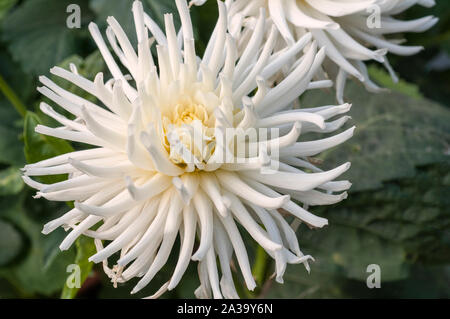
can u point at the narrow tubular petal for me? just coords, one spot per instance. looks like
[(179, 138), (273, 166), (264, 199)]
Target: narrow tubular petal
[(251, 49), (334, 54), (187, 245), (79, 181), (235, 185), (213, 275), (81, 137), (203, 207), (159, 209), (224, 251), (314, 197), (156, 185), (48, 110), (280, 142), (239, 249), (112, 66), (248, 84), (122, 203), (113, 138), (288, 82), (116, 171), (211, 187), (281, 60), (124, 238), (277, 14), (214, 63), (87, 223), (174, 52), (290, 117), (250, 225), (315, 147), (274, 235), (170, 233), (74, 193), (136, 152), (79, 155), (160, 158), (297, 181), (300, 19), (338, 8), (52, 170), (292, 208), (117, 228), (63, 220)]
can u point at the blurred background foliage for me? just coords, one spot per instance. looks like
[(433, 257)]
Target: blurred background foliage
[(396, 215)]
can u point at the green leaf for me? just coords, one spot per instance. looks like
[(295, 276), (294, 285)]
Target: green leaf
[(39, 270), (37, 34), (10, 181), (411, 212), (19, 86), (5, 6), (11, 151), (385, 80), (424, 282), (39, 147), (298, 284), (85, 249), (10, 243), (400, 227), (347, 251), (394, 134)]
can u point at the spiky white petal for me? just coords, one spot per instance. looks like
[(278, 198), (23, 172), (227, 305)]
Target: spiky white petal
[(157, 172), (352, 31)]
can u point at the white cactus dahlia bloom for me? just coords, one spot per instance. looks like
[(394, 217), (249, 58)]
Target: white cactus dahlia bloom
[(156, 171), (353, 31)]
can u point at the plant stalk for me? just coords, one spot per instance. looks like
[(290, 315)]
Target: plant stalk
[(260, 266), (12, 97)]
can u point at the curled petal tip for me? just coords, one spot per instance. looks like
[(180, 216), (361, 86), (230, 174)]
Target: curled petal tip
[(38, 195), (285, 199), (333, 26)]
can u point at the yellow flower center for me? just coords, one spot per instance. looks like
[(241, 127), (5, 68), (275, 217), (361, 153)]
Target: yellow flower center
[(189, 132)]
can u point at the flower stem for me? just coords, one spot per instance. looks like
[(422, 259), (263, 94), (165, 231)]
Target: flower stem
[(12, 97), (260, 266)]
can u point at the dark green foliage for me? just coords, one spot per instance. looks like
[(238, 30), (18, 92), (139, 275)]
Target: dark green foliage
[(394, 134), (402, 227), (37, 35)]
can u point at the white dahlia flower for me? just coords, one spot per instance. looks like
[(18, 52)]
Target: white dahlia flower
[(161, 168), (352, 31)]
